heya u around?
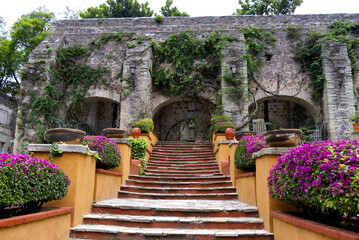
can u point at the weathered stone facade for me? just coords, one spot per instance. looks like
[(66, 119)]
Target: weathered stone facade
[(8, 108), (281, 78)]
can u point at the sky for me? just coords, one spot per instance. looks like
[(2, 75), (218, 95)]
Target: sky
[(11, 10)]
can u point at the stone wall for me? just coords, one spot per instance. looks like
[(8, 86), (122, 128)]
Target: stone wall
[(281, 77), (8, 107)]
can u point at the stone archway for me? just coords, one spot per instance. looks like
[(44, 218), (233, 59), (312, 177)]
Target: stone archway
[(177, 113)]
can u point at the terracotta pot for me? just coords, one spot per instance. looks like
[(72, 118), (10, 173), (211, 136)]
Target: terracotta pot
[(240, 134), (229, 133), (282, 137), (356, 127), (136, 132), (65, 135), (113, 132)]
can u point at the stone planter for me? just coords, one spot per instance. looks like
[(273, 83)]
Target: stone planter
[(356, 127), (287, 226), (113, 132), (65, 135), (240, 134), (282, 137), (51, 223), (136, 132), (229, 133)]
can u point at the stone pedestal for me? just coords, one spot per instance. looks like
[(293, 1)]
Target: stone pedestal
[(265, 160), (81, 170)]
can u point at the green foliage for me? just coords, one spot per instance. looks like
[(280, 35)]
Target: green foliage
[(25, 35), (29, 182), (167, 11), (293, 32), (217, 118), (118, 9), (256, 42), (308, 53), (158, 18), (68, 73), (355, 117), (236, 86), (54, 151), (104, 38), (184, 64), (138, 148), (145, 125), (267, 7)]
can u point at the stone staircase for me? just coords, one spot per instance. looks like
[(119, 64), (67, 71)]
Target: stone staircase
[(184, 196)]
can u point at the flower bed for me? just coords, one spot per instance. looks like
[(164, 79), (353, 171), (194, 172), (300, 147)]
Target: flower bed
[(322, 179), (109, 155), (29, 182), (245, 148)]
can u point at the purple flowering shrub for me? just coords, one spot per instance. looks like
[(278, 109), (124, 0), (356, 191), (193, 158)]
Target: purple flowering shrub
[(244, 150), (108, 152), (321, 178), (29, 182)]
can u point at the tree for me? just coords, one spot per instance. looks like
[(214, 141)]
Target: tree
[(267, 7), (118, 9), (26, 33), (167, 11)]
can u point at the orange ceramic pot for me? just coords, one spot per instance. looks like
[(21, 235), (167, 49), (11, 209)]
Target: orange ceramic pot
[(356, 127), (229, 133), (136, 132)]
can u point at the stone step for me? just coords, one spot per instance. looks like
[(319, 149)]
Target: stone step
[(185, 150), (173, 175), (181, 162), (180, 179), (183, 153), (181, 168), (174, 190), (183, 208), (208, 196), (178, 184), (182, 156), (182, 172), (86, 231), (185, 166), (173, 222)]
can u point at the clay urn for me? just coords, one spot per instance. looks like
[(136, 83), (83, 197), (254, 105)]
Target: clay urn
[(65, 135), (136, 132), (282, 137), (229, 133)]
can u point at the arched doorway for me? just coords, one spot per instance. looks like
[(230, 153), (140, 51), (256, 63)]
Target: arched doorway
[(94, 114), (178, 121), (287, 112)]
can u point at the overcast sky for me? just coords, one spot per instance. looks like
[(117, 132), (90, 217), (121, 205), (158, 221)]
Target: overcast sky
[(11, 10)]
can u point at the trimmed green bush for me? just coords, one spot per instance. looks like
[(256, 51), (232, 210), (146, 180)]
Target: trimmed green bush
[(221, 127), (29, 182), (138, 148), (109, 155), (145, 125)]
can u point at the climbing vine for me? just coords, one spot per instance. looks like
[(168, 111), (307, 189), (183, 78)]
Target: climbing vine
[(184, 64), (308, 52)]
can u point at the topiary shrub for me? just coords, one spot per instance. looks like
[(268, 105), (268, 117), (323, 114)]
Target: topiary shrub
[(138, 151), (321, 178), (29, 182), (221, 127), (145, 125), (244, 150), (109, 155)]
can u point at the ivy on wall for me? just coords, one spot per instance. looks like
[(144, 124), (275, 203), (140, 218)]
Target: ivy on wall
[(184, 64), (308, 52)]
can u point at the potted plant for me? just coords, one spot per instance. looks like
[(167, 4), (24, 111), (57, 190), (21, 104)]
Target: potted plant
[(355, 120), (282, 137), (321, 179), (63, 134), (223, 127), (113, 132), (146, 125), (109, 155)]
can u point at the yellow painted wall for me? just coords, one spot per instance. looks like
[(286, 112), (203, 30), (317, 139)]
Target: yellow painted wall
[(222, 154), (246, 189), (106, 186), (286, 231), (81, 170), (124, 167), (53, 228), (264, 203)]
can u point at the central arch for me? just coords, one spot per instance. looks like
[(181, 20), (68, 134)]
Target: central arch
[(173, 119)]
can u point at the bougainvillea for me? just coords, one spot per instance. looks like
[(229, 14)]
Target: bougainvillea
[(321, 178), (108, 152), (29, 182), (245, 148)]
